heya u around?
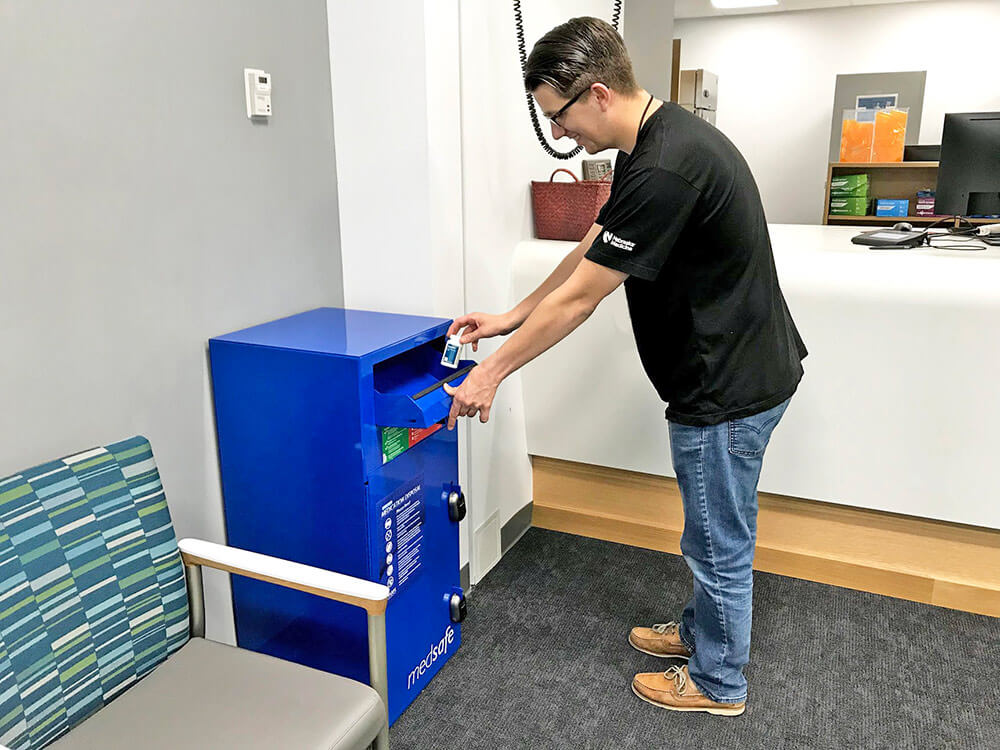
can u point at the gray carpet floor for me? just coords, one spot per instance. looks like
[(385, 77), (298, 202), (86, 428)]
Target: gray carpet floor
[(544, 663)]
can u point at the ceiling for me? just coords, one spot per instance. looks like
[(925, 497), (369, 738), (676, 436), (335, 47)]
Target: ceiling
[(704, 8)]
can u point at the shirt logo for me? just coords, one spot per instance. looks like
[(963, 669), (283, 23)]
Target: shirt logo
[(617, 242)]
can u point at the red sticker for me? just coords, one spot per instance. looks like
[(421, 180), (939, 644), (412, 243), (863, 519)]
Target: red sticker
[(419, 433)]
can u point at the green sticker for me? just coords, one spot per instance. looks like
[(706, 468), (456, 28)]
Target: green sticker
[(395, 440)]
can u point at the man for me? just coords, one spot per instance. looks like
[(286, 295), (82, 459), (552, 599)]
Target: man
[(684, 231)]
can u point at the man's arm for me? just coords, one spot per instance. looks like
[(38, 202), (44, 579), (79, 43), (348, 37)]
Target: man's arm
[(557, 278), (552, 319), (483, 325)]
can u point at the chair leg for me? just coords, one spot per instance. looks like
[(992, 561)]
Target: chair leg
[(196, 600), (377, 667)]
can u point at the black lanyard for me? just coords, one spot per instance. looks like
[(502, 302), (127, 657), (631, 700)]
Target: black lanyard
[(642, 120), (628, 156)]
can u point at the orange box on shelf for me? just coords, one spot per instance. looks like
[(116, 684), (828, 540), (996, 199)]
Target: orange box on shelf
[(890, 135), (856, 139)]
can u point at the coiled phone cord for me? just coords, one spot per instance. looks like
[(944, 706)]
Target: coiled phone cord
[(519, 24)]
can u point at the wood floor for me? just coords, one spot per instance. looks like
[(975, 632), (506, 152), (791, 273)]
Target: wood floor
[(949, 565)]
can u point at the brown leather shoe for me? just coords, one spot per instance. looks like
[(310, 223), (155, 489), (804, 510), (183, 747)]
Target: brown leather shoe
[(662, 640), (675, 691)]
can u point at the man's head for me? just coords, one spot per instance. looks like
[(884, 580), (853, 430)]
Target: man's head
[(580, 75)]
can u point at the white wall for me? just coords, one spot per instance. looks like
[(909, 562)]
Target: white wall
[(435, 156), (395, 81), (777, 75), (500, 158), (377, 72), (648, 29), (394, 69), (438, 151)]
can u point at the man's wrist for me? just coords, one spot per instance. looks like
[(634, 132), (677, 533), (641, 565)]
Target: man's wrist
[(514, 319), (491, 370)]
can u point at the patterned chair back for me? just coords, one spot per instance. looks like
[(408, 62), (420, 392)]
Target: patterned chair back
[(92, 593)]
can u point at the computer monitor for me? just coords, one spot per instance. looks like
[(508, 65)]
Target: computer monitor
[(969, 173)]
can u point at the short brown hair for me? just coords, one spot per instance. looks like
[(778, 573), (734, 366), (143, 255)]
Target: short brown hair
[(578, 53)]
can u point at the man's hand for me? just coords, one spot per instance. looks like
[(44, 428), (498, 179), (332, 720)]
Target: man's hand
[(479, 325), (559, 313), (474, 395)]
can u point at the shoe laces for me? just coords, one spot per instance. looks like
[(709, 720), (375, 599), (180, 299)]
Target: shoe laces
[(679, 676), (665, 627)]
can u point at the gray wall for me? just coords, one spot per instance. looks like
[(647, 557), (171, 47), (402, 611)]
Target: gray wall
[(648, 27), (141, 212), (909, 86)]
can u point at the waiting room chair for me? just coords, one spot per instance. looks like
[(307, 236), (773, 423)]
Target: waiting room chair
[(102, 642)]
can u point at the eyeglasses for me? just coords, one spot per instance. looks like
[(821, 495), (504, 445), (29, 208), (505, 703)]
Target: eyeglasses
[(562, 110)]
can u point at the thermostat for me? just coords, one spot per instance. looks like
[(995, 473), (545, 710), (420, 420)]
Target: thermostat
[(258, 90)]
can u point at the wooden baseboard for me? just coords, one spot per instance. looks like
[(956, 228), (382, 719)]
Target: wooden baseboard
[(945, 564)]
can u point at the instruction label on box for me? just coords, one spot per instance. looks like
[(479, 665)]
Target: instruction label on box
[(396, 440), (402, 515)]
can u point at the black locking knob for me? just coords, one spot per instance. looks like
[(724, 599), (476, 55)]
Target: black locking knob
[(459, 609), (456, 506)]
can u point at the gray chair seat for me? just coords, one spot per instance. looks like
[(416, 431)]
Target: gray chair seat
[(209, 695)]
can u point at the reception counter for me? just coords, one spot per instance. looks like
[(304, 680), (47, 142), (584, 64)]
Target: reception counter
[(895, 410)]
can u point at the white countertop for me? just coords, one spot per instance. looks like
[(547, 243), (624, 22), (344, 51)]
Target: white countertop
[(896, 407), (824, 256)]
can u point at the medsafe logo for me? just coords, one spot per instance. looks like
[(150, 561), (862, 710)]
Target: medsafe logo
[(438, 649), (617, 242)]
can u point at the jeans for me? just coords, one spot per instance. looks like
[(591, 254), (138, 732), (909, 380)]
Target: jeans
[(717, 469)]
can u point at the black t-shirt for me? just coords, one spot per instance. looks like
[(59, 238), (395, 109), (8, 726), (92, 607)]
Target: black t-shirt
[(685, 221)]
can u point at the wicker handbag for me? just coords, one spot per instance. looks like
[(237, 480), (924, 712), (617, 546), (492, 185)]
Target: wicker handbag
[(566, 210)]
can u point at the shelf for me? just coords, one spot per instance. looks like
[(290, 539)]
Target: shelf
[(899, 179), (889, 219), (890, 180), (884, 165), (831, 218)]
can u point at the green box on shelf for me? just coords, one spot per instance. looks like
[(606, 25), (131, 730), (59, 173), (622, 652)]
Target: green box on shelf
[(849, 186), (848, 206)]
